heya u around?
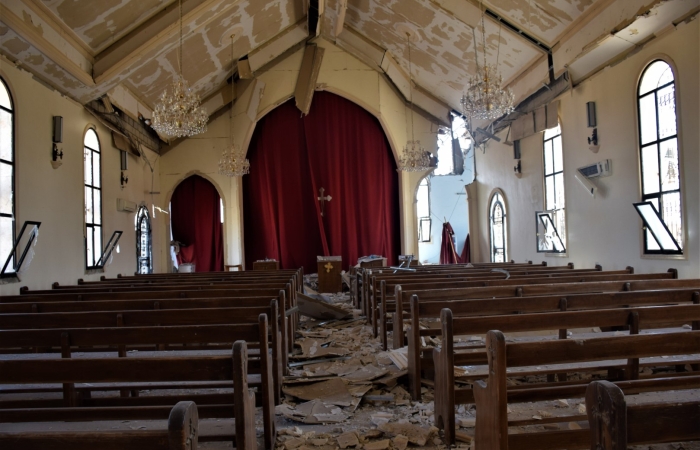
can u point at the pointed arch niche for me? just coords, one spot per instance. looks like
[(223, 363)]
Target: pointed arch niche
[(339, 147), (196, 223)]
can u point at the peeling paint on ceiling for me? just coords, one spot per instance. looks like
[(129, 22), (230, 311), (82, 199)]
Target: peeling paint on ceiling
[(446, 56)]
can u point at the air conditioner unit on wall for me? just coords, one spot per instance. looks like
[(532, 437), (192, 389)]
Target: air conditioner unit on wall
[(599, 169), (125, 205)]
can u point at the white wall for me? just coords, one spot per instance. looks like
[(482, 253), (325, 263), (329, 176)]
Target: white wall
[(605, 229), (341, 74), (55, 197)]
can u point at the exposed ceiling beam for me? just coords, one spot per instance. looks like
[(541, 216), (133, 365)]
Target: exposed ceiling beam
[(340, 20), (28, 33), (150, 35), (383, 62)]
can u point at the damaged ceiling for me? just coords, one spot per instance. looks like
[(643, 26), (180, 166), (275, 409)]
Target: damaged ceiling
[(86, 49)]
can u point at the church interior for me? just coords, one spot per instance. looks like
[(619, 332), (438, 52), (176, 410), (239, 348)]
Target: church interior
[(349, 188)]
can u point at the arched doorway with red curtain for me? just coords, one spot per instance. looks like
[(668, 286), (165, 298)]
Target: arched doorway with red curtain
[(339, 147), (195, 209)]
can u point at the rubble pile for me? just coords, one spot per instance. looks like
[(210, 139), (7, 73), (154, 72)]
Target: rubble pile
[(344, 392)]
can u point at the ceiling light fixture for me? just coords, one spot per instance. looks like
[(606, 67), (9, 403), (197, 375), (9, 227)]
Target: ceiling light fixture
[(414, 158), (179, 113), (233, 162), (484, 98)]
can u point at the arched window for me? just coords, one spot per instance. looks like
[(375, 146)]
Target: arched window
[(7, 177), (93, 198), (144, 251), (498, 225), (423, 210), (554, 202), (658, 142)]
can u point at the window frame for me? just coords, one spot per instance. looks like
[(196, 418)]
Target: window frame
[(646, 252), (13, 165), (425, 179), (140, 215), (498, 198), (562, 233), (96, 253)]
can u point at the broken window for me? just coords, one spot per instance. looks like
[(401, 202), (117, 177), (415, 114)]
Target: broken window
[(548, 238), (93, 198), (7, 177), (423, 210), (554, 183), (453, 145), (658, 141), (499, 228), (656, 227)]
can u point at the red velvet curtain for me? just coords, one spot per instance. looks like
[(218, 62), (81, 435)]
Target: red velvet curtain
[(196, 222), (339, 146)]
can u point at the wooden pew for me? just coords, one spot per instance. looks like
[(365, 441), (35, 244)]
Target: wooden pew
[(386, 304), (366, 274), (492, 395), (367, 286), (286, 309), (481, 312), (160, 320), (241, 403), (403, 296), (298, 274), (182, 434), (615, 425)]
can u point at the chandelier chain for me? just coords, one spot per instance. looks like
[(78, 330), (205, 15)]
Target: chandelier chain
[(414, 158), (233, 162), (179, 58), (410, 84)]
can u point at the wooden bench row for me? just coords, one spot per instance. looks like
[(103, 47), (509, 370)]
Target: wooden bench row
[(493, 394), (239, 404), (516, 289), (615, 425), (182, 434), (534, 314)]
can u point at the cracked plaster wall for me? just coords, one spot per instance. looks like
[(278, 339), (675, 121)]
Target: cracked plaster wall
[(605, 229), (55, 197)]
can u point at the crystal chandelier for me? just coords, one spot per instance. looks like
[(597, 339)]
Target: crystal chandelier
[(414, 158), (484, 98), (179, 113), (233, 162)]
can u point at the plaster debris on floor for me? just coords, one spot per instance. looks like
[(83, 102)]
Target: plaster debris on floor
[(344, 392)]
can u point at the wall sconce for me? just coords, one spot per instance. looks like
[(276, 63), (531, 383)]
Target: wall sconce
[(592, 123), (56, 153), (590, 113), (123, 180), (593, 141), (518, 169)]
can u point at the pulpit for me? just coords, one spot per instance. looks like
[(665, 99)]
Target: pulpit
[(368, 262), (329, 268), (266, 264)]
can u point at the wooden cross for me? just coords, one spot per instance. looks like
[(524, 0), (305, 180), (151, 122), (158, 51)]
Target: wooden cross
[(323, 199), (328, 267)]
